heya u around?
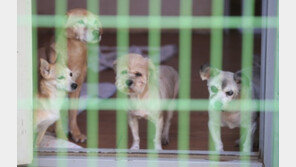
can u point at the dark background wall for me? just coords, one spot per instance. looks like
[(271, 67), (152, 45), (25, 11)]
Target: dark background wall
[(140, 7)]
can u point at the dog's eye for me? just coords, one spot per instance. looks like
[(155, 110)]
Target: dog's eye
[(61, 77), (138, 74), (214, 89), (229, 93), (124, 72), (71, 74)]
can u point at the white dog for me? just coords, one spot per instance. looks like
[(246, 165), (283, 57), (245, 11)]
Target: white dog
[(224, 87), (138, 77)]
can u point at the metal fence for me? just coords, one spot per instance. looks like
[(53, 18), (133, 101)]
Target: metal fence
[(185, 23)]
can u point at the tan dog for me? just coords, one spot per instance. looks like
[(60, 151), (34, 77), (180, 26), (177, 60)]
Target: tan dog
[(138, 77), (54, 83), (82, 28)]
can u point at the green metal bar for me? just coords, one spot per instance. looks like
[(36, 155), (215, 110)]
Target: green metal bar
[(185, 75), (246, 89), (61, 46), (122, 49), (92, 90), (216, 56), (217, 35), (194, 105), (35, 75), (172, 22), (154, 40)]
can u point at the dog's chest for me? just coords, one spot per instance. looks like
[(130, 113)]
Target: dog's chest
[(230, 119), (139, 113)]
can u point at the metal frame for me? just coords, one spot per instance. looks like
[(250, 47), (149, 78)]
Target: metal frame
[(78, 161), (267, 118), (267, 84)]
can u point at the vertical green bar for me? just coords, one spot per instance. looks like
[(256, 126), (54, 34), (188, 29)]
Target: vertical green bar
[(217, 35), (92, 90), (185, 38), (34, 73), (246, 90), (154, 38), (276, 99), (216, 57), (61, 43), (122, 49)]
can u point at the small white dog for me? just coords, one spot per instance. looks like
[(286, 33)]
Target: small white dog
[(138, 77), (224, 87), (54, 83)]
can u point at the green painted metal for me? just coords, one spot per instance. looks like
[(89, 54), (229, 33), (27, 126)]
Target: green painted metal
[(122, 49), (216, 56), (92, 115), (185, 39), (185, 23)]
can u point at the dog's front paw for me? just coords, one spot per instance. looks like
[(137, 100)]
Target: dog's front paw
[(158, 147), (78, 137), (135, 147), (219, 148)]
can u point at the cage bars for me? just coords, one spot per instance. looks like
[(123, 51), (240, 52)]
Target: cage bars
[(185, 45), (155, 22), (216, 56), (122, 49)]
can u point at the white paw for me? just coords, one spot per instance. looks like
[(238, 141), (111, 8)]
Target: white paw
[(135, 147), (158, 147), (219, 148)]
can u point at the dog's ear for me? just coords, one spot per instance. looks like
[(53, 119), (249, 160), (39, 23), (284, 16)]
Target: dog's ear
[(151, 67), (114, 64), (240, 77), (52, 54), (206, 72), (44, 68)]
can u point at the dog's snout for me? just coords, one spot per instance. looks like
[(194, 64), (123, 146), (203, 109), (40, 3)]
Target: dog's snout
[(74, 86), (218, 105), (129, 82)]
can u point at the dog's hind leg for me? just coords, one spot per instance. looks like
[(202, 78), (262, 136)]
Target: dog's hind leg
[(41, 132), (42, 127), (166, 129)]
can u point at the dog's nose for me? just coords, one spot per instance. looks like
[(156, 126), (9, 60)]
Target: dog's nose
[(74, 86), (218, 105), (129, 82)]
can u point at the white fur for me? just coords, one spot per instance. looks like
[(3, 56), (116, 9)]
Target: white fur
[(147, 87)]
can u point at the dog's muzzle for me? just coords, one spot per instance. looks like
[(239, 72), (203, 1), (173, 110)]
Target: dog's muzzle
[(129, 82), (74, 86), (217, 106)]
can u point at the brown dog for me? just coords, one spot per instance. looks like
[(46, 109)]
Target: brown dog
[(82, 27), (54, 83)]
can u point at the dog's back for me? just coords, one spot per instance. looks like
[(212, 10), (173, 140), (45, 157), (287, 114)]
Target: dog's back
[(169, 80)]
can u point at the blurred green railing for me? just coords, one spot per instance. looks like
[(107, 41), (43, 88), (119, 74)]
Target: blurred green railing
[(154, 22)]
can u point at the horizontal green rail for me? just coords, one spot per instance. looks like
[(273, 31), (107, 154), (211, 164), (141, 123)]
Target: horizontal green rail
[(179, 104), (167, 22)]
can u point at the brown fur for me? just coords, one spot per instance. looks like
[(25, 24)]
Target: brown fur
[(76, 61), (51, 87)]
